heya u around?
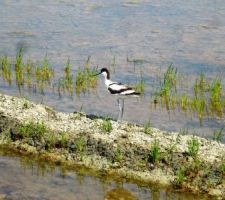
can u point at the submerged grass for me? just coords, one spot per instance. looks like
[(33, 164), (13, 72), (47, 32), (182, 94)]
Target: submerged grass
[(206, 98), (169, 85), (19, 69), (66, 82), (6, 70), (85, 78), (140, 86), (215, 97), (217, 134)]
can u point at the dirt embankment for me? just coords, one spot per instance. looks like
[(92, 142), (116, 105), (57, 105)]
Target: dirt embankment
[(146, 155)]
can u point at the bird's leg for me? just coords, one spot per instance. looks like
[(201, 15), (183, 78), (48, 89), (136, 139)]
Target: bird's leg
[(120, 102), (122, 109)]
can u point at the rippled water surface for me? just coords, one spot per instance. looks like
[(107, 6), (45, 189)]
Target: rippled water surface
[(156, 33), (22, 178)]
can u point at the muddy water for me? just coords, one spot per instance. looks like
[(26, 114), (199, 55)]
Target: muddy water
[(22, 178), (190, 34)]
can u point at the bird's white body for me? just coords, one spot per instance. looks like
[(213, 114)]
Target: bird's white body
[(116, 88)]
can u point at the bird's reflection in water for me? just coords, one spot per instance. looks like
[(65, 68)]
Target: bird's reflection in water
[(119, 194)]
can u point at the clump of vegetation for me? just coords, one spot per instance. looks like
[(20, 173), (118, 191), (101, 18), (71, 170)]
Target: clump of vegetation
[(148, 128), (180, 177), (201, 86), (222, 167), (184, 102), (64, 139), (215, 97), (85, 78), (26, 105), (106, 125), (81, 82), (66, 82), (51, 140), (19, 69), (198, 105), (68, 77), (217, 134), (140, 86), (80, 144), (33, 130), (28, 70), (193, 147), (169, 84), (155, 152), (43, 74), (118, 155), (6, 70)]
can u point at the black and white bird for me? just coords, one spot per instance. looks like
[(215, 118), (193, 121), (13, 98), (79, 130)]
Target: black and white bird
[(119, 89)]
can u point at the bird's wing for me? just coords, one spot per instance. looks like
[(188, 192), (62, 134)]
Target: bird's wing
[(118, 86)]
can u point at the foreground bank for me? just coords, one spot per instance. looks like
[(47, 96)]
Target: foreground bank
[(146, 155)]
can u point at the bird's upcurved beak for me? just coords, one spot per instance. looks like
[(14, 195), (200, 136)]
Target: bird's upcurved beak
[(97, 74)]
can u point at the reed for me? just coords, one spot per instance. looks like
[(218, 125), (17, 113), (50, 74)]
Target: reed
[(43, 74), (184, 102), (29, 71), (169, 85), (47, 72), (6, 70), (217, 134), (81, 83), (68, 78), (91, 79), (140, 86), (19, 69), (198, 105), (216, 97), (85, 78)]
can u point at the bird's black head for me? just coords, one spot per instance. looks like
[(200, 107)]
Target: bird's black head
[(105, 71)]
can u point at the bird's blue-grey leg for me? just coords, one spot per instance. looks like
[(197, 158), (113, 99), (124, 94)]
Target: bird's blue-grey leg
[(122, 108), (120, 102)]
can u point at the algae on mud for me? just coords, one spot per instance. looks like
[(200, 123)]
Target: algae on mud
[(125, 151)]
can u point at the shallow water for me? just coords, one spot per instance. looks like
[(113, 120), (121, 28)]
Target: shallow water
[(22, 178), (191, 35)]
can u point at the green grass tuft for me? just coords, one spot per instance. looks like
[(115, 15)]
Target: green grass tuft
[(106, 125), (148, 128), (6, 70), (155, 152), (34, 130), (193, 147)]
